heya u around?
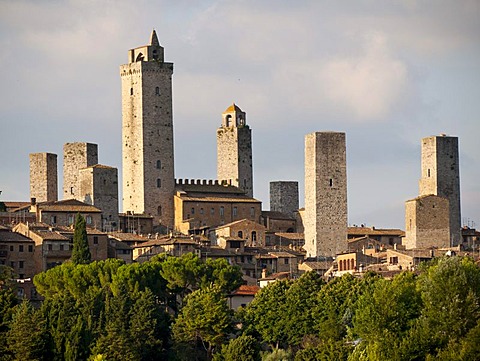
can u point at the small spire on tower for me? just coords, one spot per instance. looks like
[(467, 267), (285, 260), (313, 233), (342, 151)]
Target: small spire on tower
[(154, 39)]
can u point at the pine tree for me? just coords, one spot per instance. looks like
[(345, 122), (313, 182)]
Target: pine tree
[(81, 252)]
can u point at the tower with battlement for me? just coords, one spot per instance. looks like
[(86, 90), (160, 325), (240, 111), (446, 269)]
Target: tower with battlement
[(234, 150), (325, 220), (43, 177), (147, 133), (75, 157), (441, 177)]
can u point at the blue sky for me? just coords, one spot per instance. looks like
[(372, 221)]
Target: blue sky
[(385, 72)]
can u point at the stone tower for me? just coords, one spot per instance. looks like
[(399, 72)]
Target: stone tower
[(43, 177), (284, 197), (234, 150), (441, 177), (147, 133), (99, 187), (325, 219), (75, 157)]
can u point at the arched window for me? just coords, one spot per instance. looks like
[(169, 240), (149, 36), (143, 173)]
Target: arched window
[(254, 236), (159, 164), (240, 234), (157, 91), (159, 183), (228, 120)]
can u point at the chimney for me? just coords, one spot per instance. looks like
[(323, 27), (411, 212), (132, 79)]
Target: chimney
[(264, 273)]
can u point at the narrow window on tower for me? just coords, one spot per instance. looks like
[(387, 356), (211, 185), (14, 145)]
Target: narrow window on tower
[(428, 172), (159, 211), (131, 91), (331, 182), (222, 211), (159, 183), (235, 211), (157, 91), (159, 164)]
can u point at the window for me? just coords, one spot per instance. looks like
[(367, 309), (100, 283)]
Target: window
[(159, 210), (159, 183), (331, 182), (235, 211), (394, 260), (286, 260), (20, 248), (201, 210), (212, 211), (240, 234), (88, 219), (131, 91), (53, 219), (50, 247), (71, 190), (235, 244), (95, 240), (20, 292), (157, 91), (12, 264), (61, 247), (70, 219), (252, 211), (254, 236), (159, 164), (30, 248), (21, 264), (222, 211), (11, 248), (192, 210), (428, 172)]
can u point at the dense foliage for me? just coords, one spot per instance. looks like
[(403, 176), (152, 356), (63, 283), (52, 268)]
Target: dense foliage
[(81, 252), (175, 309)]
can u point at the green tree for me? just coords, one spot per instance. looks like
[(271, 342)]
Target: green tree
[(27, 336), (222, 274), (205, 317), (8, 300), (81, 252), (242, 348)]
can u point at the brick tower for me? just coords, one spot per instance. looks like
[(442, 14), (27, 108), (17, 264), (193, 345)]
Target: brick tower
[(75, 157), (147, 133), (441, 177), (284, 197), (234, 150), (43, 177), (325, 194)]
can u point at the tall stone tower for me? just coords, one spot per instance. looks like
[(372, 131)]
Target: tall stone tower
[(99, 187), (43, 177), (441, 177), (325, 219), (284, 197), (147, 132), (75, 157), (234, 150)]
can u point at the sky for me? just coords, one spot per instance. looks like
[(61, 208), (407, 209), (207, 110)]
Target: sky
[(387, 73)]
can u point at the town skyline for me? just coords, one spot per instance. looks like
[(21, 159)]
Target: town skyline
[(385, 89)]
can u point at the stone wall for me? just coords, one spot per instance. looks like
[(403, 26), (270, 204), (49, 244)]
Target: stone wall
[(75, 157), (43, 177), (284, 197), (325, 220)]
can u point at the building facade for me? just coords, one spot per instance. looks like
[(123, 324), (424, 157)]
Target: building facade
[(43, 177), (284, 197), (234, 150), (147, 133), (441, 177), (325, 218), (76, 156)]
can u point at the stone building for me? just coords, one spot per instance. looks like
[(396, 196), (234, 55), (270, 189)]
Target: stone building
[(325, 218), (252, 232), (62, 213), (427, 222), (75, 157), (43, 177), (234, 150), (441, 177), (99, 187), (147, 133), (202, 204), (284, 197)]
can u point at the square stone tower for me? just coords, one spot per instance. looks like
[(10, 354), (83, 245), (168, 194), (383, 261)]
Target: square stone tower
[(147, 133), (99, 187), (234, 150), (441, 177), (284, 197), (427, 222), (43, 177), (325, 219), (75, 157)]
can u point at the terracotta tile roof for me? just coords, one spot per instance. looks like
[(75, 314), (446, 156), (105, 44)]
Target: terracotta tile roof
[(68, 205), (230, 199), (9, 236), (291, 236), (245, 290), (321, 265), (367, 231), (51, 236), (238, 222), (123, 236), (276, 276), (281, 254)]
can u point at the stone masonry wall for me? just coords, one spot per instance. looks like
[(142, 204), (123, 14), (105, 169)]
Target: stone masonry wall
[(325, 219), (75, 157), (284, 197), (43, 177)]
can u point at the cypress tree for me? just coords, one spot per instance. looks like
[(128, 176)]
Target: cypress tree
[(81, 252)]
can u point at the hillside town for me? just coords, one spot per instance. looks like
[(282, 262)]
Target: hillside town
[(220, 218)]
